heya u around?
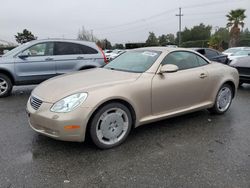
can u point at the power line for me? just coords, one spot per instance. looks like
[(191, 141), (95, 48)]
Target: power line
[(167, 12), (140, 27), (139, 20)]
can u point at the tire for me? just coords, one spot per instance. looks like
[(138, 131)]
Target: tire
[(110, 125), (5, 85), (223, 100)]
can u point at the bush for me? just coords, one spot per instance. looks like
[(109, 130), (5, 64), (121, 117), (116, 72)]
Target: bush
[(2, 48), (244, 42)]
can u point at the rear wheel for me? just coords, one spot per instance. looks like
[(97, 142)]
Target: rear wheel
[(223, 100), (5, 85), (111, 125)]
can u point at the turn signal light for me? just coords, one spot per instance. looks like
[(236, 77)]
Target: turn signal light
[(72, 127)]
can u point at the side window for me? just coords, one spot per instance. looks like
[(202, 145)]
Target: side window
[(210, 53), (66, 48), (201, 61), (41, 49), (183, 60), (88, 50)]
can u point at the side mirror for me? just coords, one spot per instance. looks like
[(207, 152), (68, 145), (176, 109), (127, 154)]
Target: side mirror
[(5, 51), (23, 55), (168, 68)]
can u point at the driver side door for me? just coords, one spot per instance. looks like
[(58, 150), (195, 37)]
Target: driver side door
[(181, 90), (35, 64)]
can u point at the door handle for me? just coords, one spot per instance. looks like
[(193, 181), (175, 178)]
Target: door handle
[(49, 59), (80, 57), (203, 75)]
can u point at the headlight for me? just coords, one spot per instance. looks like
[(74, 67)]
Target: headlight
[(69, 103)]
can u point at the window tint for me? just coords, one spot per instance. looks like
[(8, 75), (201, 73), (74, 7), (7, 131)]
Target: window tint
[(183, 60), (66, 48), (134, 61), (41, 49), (210, 53), (201, 60)]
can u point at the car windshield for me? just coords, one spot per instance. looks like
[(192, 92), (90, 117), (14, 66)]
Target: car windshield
[(242, 52), (231, 50), (134, 61)]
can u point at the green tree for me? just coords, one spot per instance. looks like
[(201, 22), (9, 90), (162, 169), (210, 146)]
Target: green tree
[(170, 38), (219, 40), (104, 44), (24, 37), (118, 46), (215, 42), (152, 40), (244, 38), (162, 40), (166, 39), (198, 32), (235, 21)]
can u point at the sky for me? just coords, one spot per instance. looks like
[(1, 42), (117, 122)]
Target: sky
[(120, 21)]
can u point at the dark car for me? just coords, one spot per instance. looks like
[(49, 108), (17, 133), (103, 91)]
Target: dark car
[(213, 55), (242, 64)]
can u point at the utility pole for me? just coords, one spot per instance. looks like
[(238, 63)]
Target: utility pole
[(180, 15)]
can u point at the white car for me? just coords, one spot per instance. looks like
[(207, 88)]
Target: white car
[(108, 53), (238, 54), (115, 54), (233, 50)]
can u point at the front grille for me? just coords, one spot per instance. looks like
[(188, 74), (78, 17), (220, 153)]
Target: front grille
[(35, 102), (243, 70)]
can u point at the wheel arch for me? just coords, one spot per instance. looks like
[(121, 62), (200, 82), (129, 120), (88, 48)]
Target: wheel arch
[(7, 73), (117, 100), (233, 86)]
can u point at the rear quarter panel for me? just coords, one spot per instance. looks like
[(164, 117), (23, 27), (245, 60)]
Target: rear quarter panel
[(218, 75)]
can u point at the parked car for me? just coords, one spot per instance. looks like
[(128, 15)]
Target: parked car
[(171, 46), (108, 53), (115, 54), (140, 86), (39, 60), (231, 51), (243, 66), (213, 55), (240, 53)]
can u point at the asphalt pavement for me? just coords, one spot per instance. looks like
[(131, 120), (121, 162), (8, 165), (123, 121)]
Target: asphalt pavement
[(194, 150)]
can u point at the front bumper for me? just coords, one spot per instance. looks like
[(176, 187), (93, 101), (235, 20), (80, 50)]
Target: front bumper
[(53, 124), (244, 73)]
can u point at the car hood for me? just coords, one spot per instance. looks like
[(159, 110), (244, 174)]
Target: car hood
[(59, 87), (241, 62), (236, 56), (5, 60)]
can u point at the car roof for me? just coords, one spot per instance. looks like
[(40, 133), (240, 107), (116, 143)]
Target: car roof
[(163, 49), (60, 40)]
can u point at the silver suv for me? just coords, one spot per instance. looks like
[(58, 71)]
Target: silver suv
[(39, 60)]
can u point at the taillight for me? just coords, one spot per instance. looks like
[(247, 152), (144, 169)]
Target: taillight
[(104, 57)]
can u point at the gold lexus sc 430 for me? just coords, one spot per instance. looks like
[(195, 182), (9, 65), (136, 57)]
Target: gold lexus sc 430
[(138, 87)]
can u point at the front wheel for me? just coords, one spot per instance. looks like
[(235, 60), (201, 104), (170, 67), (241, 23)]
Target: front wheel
[(111, 125), (223, 100), (5, 85)]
